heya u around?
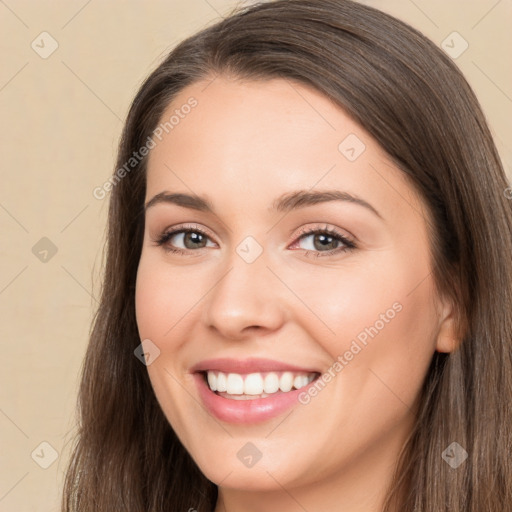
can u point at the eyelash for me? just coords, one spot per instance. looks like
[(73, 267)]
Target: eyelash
[(348, 244)]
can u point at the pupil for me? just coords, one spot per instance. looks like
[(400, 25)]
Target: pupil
[(324, 238), (194, 238)]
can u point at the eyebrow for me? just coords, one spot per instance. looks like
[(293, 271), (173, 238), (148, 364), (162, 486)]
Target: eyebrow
[(284, 203)]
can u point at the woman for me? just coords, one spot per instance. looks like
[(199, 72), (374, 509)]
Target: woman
[(308, 286)]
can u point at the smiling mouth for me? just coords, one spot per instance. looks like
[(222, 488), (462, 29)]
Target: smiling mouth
[(252, 386)]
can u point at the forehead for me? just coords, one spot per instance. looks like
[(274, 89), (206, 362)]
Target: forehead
[(253, 140)]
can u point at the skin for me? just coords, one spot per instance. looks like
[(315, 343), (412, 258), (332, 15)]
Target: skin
[(242, 146)]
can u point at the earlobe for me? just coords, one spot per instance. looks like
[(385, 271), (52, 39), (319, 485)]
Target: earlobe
[(448, 336)]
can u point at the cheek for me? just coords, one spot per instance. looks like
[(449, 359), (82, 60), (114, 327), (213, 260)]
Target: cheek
[(380, 293), (162, 298), (378, 321), (148, 308), (159, 309)]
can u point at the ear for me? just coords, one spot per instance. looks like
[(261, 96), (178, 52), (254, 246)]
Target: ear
[(448, 337)]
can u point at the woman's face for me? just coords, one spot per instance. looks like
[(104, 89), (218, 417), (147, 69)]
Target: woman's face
[(257, 302)]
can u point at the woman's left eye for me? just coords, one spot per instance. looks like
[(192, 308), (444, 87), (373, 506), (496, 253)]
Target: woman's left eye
[(323, 242), (326, 238)]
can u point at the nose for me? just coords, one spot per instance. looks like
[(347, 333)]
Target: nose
[(247, 299)]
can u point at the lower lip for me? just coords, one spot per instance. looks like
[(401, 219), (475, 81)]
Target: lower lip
[(246, 411)]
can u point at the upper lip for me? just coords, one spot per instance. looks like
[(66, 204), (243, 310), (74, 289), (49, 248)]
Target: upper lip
[(251, 365)]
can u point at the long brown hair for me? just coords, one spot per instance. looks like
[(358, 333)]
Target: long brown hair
[(417, 105)]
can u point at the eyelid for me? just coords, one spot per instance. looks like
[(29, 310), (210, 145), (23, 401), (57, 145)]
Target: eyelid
[(187, 226), (324, 227)]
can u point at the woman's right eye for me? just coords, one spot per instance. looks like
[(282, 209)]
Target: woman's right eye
[(190, 238)]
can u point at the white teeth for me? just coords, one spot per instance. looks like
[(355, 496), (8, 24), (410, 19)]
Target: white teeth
[(300, 381), (253, 384), (259, 385), (286, 381), (221, 382), (212, 381), (235, 384), (271, 383)]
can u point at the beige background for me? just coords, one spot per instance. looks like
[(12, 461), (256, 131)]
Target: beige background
[(61, 120)]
